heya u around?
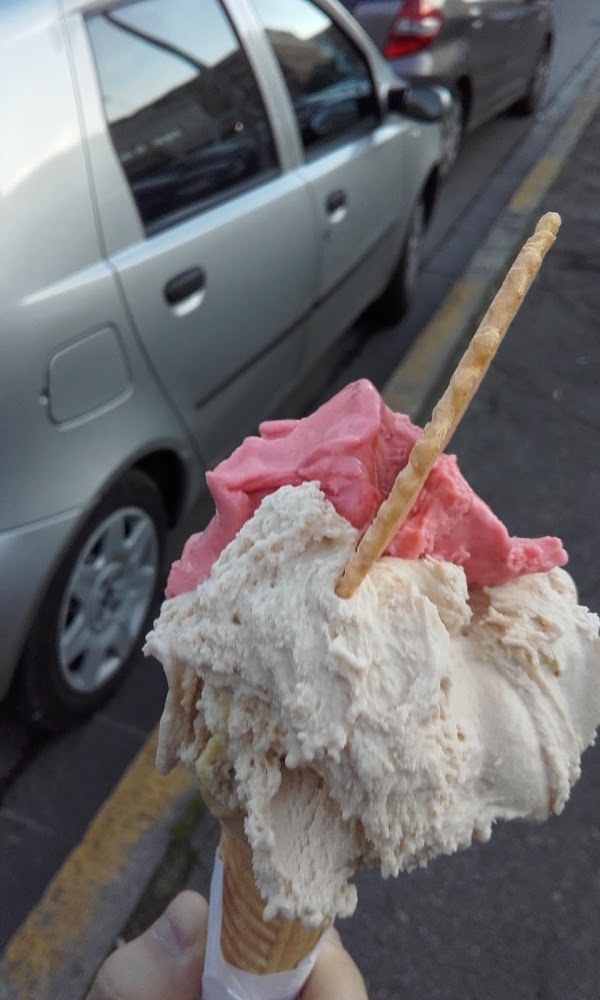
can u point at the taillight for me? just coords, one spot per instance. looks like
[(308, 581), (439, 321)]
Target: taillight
[(416, 25)]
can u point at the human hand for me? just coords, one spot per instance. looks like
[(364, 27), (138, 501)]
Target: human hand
[(166, 962), (335, 976)]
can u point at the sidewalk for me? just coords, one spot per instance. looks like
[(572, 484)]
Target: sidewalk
[(515, 918)]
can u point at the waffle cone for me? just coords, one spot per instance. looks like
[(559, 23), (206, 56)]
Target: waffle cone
[(247, 941)]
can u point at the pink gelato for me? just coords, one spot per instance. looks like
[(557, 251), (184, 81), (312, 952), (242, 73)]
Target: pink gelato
[(354, 446)]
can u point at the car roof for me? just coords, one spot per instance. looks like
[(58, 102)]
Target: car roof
[(14, 14), (90, 5)]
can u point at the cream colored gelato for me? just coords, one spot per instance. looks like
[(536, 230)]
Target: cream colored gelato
[(385, 729)]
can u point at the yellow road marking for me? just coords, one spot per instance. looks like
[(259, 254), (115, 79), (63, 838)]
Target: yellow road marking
[(533, 188), (404, 390), (538, 181), (49, 935)]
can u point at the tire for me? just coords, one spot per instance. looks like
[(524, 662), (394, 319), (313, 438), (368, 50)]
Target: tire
[(452, 127), (393, 303), (97, 608), (531, 102)]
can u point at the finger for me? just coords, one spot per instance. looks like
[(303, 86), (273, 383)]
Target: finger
[(335, 976), (165, 962)]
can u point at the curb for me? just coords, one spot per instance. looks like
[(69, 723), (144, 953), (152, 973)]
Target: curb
[(57, 950), (416, 383)]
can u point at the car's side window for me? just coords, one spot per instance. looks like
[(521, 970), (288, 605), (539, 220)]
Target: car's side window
[(327, 76), (185, 113)]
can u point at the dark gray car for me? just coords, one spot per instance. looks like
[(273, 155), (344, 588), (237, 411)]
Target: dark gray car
[(492, 54), (198, 197)]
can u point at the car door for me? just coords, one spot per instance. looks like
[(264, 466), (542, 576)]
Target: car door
[(221, 275), (354, 162), (528, 41), (488, 31)]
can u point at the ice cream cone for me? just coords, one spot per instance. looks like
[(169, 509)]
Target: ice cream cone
[(247, 941)]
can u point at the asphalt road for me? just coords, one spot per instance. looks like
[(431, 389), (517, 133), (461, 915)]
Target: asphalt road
[(49, 790), (518, 918)]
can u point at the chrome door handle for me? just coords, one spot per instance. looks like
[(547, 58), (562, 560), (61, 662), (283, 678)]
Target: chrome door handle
[(185, 291), (335, 201), (336, 206), (183, 285)]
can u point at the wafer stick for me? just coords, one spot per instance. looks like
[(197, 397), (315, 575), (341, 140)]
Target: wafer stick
[(448, 412)]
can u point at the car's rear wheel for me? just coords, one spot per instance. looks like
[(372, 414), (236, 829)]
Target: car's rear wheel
[(391, 306), (531, 102), (97, 607)]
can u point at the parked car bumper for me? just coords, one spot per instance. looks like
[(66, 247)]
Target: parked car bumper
[(28, 556)]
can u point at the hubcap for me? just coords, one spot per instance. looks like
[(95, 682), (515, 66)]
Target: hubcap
[(539, 79), (452, 127), (414, 245), (107, 599)]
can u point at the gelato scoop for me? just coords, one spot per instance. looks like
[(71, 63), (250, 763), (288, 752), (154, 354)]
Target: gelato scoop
[(354, 447), (364, 667), (383, 729)]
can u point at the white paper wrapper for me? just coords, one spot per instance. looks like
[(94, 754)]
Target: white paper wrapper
[(222, 981)]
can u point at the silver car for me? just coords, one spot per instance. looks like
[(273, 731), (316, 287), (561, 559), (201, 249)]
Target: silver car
[(198, 197), (491, 54)]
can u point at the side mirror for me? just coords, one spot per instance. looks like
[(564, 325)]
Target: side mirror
[(424, 102)]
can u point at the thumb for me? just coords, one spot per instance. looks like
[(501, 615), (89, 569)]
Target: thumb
[(165, 962), (335, 976)]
